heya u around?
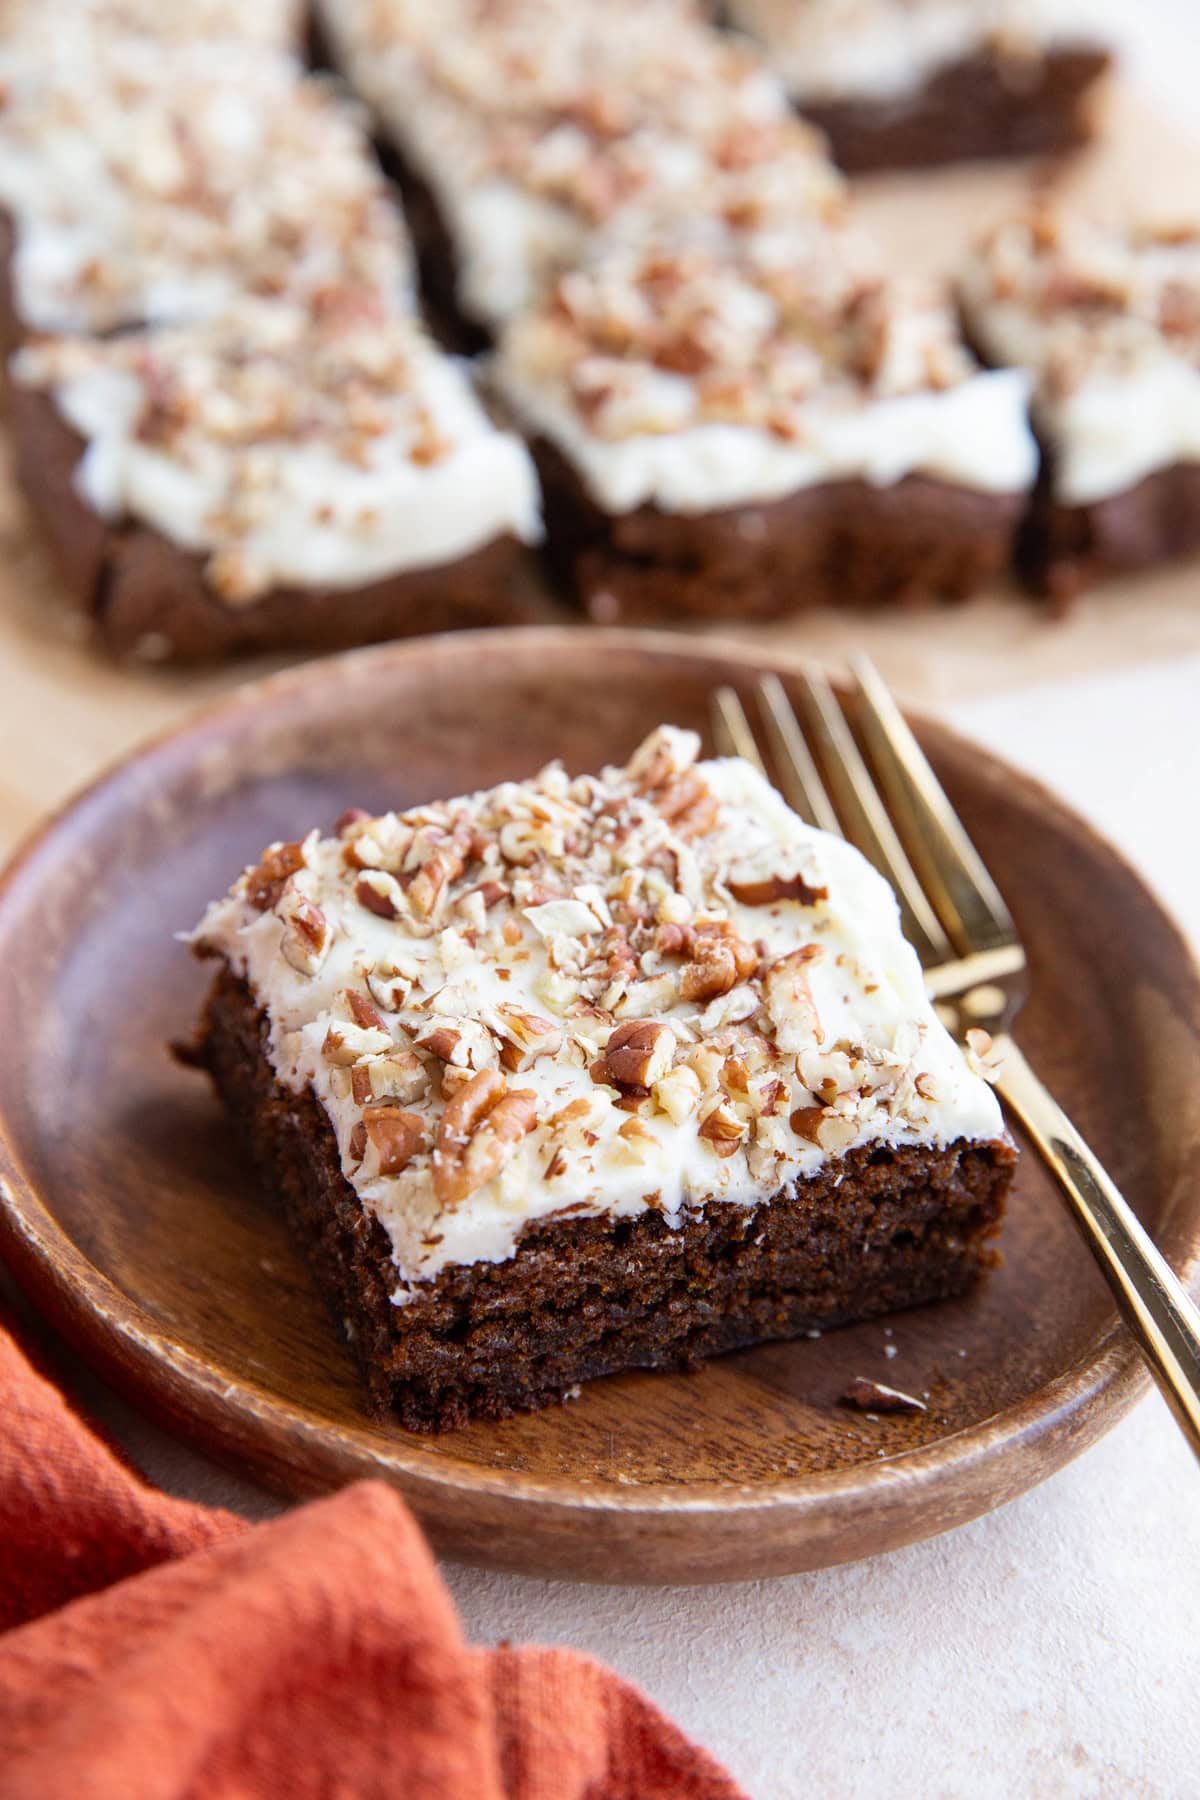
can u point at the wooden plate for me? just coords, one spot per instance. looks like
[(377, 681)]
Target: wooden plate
[(127, 1215)]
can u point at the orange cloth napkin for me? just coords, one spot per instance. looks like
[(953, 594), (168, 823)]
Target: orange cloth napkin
[(151, 1649)]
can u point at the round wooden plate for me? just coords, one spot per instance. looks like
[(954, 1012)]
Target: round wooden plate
[(128, 1216)]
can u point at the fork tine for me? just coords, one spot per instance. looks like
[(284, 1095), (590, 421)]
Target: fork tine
[(951, 868), (799, 778), (867, 821), (731, 728)]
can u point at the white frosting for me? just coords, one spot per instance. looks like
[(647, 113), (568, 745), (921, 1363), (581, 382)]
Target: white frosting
[(887, 50), (45, 25), (156, 185), (327, 508), (975, 435), (864, 1000)]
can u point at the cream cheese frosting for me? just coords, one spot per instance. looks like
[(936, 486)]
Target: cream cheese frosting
[(1107, 325), (887, 50), (693, 381), (158, 185), (84, 25), (653, 988), (287, 452)]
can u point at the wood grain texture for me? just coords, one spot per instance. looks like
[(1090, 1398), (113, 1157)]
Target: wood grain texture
[(128, 1217)]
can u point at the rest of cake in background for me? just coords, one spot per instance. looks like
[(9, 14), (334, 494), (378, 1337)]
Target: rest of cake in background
[(522, 134), (1107, 321), (268, 478), (143, 186), (759, 434), (576, 1076), (909, 83)]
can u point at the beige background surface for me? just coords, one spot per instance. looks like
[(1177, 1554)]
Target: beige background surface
[(1047, 1650)]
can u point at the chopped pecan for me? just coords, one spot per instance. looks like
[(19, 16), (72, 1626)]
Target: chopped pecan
[(877, 1397), (353, 815), (482, 1125), (379, 893), (305, 939), (362, 1012), (828, 1130), (394, 1135), (723, 1129), (719, 963), (638, 1054), (526, 1037), (265, 882), (776, 887), (432, 878)]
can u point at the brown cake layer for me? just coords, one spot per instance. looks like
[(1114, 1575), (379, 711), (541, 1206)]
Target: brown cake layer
[(1064, 549), (842, 544), (983, 107), (148, 597), (879, 1230), (11, 328)]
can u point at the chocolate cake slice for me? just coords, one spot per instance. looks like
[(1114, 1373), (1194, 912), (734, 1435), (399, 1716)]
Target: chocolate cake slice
[(583, 1075), (899, 84), (1107, 324), (745, 432), (268, 479)]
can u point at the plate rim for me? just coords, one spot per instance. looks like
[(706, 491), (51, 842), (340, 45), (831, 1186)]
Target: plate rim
[(99, 1320)]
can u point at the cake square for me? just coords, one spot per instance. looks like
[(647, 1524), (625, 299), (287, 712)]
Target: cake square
[(913, 83), (1106, 322), (521, 134), (147, 185), (575, 1076), (744, 432), (267, 478)]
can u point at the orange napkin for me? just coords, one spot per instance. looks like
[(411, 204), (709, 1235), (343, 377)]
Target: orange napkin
[(151, 1649)]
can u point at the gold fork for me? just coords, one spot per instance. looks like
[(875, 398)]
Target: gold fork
[(974, 962)]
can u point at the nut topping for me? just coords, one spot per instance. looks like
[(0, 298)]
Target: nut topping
[(266, 882), (481, 1127), (638, 1054), (395, 1137), (776, 887)]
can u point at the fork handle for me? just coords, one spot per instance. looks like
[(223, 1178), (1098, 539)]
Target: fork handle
[(1152, 1300)]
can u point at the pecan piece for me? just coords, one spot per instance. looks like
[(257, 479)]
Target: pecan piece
[(362, 1012), (877, 1397), (718, 964), (723, 1129), (305, 940), (379, 893), (394, 1135), (481, 1127), (266, 881), (433, 877), (638, 1053), (776, 887), (526, 1037)]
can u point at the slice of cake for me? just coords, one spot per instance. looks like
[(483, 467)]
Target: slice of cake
[(268, 479), (521, 133), (582, 1075), (905, 83), (1108, 324), (143, 186), (744, 434)]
